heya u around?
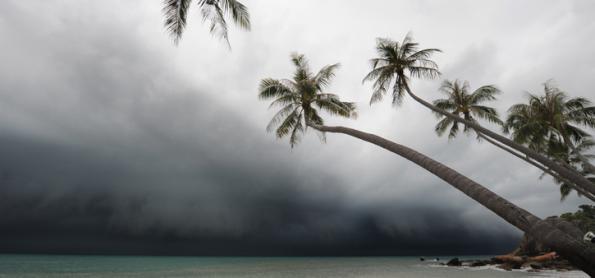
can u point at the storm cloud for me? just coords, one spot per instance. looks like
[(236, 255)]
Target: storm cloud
[(113, 140)]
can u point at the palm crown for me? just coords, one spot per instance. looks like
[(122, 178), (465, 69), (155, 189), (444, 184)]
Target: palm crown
[(460, 102), (550, 119), (559, 151), (300, 98), (399, 61), (213, 11)]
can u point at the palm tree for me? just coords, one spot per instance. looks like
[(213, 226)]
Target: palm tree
[(552, 118), (299, 97), (399, 61), (548, 124), (571, 159), (459, 102), (213, 11), (298, 94)]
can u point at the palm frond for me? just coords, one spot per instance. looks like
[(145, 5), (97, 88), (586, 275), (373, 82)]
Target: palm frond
[(298, 129), (239, 13), (407, 46), (325, 75), (447, 87), (175, 12), (484, 93), (288, 123), (445, 104), (300, 61), (302, 65), (377, 95), (384, 72), (280, 116), (399, 88), (443, 125), (285, 100), (386, 47), (424, 55), (575, 133), (212, 13), (336, 107), (383, 77), (565, 190), (585, 144), (313, 117), (454, 129), (578, 103), (578, 111), (487, 113), (424, 72), (272, 88)]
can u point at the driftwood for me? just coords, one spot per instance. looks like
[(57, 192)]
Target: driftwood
[(513, 258)]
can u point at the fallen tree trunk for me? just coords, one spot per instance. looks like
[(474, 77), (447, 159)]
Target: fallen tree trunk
[(524, 259)]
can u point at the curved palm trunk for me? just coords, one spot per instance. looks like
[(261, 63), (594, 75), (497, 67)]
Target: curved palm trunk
[(569, 174), (539, 166), (576, 251)]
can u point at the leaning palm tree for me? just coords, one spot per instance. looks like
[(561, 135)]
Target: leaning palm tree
[(471, 106), (398, 62), (582, 151), (551, 118), (570, 158), (297, 97), (459, 101), (213, 11), (550, 124)]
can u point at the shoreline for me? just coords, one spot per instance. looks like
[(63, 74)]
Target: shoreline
[(555, 264)]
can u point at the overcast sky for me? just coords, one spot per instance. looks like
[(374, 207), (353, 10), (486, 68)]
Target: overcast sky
[(113, 140)]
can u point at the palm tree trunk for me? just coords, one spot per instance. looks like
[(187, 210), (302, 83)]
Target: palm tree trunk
[(585, 161), (576, 251), (539, 166), (571, 175)]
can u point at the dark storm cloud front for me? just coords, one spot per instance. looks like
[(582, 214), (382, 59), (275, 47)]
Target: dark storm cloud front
[(65, 199)]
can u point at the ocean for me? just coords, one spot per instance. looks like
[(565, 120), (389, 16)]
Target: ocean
[(253, 267)]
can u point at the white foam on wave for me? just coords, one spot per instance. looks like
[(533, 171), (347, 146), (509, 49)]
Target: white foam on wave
[(540, 273)]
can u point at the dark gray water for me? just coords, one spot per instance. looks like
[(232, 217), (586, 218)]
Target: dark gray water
[(138, 266)]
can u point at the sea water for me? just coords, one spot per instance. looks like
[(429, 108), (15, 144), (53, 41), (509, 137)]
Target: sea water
[(257, 267)]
